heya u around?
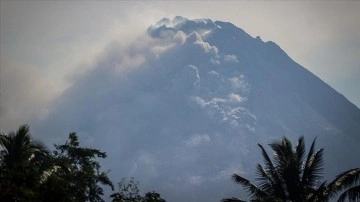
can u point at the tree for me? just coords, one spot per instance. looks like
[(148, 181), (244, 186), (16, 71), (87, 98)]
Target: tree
[(130, 192), (29, 172), (293, 176), (22, 165), (153, 197), (19, 149), (76, 173)]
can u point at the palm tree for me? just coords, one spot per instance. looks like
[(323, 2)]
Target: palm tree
[(21, 164), (19, 149), (293, 176)]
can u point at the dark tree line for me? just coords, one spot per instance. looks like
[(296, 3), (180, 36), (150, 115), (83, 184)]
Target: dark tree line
[(71, 173), (30, 172), (129, 191)]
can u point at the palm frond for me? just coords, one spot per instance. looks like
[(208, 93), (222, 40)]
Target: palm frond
[(278, 183), (251, 188), (353, 194), (347, 179), (266, 182), (268, 164), (282, 152), (316, 168), (291, 175), (300, 152), (39, 147), (233, 199), (319, 194), (4, 140), (19, 148), (313, 167)]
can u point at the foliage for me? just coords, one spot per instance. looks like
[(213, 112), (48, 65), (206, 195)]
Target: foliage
[(349, 183), (29, 172), (153, 197), (294, 176), (129, 192), (22, 164), (77, 173)]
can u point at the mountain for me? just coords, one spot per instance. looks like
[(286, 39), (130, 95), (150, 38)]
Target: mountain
[(182, 108)]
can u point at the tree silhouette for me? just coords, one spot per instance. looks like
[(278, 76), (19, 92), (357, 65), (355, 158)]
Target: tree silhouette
[(78, 172), (153, 197), (130, 192), (349, 183), (22, 164), (294, 176), (29, 172)]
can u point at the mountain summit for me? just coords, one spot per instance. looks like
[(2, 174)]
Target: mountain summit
[(182, 108)]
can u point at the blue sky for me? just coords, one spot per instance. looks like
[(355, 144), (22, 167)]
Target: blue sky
[(44, 44)]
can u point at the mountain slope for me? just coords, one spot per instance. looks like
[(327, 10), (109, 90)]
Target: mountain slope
[(182, 108)]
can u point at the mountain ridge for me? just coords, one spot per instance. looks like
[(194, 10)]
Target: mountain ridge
[(184, 110)]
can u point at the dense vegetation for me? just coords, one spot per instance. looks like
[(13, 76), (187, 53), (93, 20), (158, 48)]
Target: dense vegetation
[(70, 173), (30, 172)]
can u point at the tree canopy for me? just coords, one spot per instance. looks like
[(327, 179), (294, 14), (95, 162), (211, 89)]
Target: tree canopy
[(294, 176), (71, 173), (130, 192), (22, 165)]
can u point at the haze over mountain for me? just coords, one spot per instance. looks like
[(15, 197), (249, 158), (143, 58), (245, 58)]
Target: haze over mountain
[(182, 109)]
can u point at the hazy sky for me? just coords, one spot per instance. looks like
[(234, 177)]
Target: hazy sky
[(43, 44)]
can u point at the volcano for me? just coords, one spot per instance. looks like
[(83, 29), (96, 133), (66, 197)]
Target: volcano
[(182, 108)]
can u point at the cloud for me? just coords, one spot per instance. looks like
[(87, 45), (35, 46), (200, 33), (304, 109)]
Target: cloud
[(229, 171), (195, 39), (197, 140), (187, 78), (239, 83), (235, 98), (46, 49), (231, 58), (25, 95)]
